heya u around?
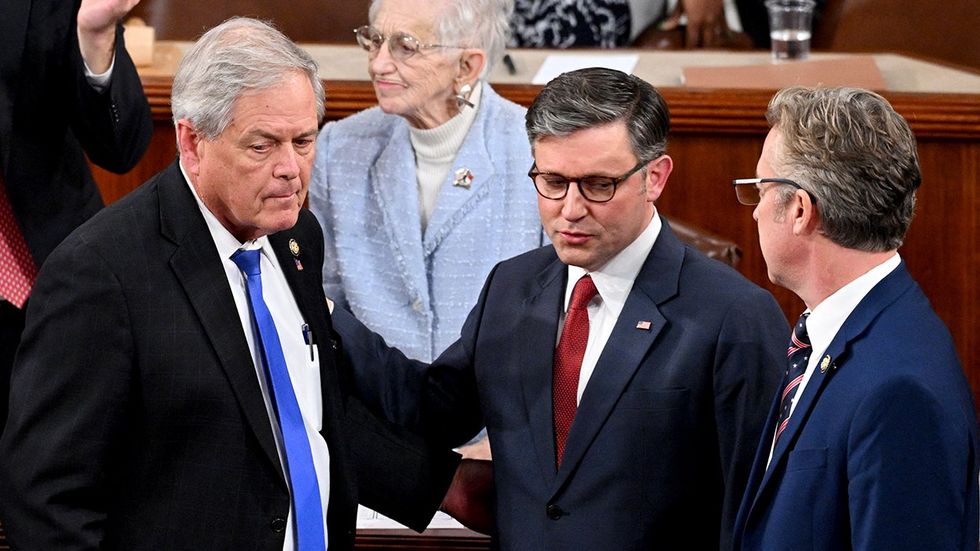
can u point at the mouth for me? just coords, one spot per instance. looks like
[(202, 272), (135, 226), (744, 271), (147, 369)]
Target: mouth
[(388, 84), (574, 237)]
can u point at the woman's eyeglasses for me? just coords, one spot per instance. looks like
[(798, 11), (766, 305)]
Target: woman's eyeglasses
[(401, 45)]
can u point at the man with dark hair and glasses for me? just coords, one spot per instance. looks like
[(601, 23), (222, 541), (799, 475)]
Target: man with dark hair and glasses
[(623, 377), (871, 442)]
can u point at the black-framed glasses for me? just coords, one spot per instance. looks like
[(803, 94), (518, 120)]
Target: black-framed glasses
[(598, 189), (401, 45), (748, 192)]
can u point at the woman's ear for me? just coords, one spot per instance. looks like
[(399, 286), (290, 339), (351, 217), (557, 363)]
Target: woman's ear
[(471, 65)]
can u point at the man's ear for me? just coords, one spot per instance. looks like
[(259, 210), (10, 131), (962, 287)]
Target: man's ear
[(189, 146), (806, 219), (471, 64), (655, 174)]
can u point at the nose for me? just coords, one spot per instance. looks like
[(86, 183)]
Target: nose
[(287, 164), (755, 212), (574, 205), (380, 62)]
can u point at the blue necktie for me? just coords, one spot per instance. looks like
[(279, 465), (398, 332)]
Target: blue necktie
[(307, 508)]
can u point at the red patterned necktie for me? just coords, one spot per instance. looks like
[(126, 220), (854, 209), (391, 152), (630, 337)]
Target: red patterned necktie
[(17, 269), (798, 356), (568, 362)]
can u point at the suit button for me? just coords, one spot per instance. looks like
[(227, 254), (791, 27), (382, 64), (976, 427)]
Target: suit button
[(555, 512), (278, 525), (417, 306)]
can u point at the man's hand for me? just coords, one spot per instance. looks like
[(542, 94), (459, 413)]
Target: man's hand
[(97, 30), (470, 498)]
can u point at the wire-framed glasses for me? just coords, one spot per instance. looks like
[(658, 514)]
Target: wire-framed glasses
[(401, 45), (598, 189)]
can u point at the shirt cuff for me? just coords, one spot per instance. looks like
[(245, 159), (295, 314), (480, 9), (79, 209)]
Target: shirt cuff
[(101, 81)]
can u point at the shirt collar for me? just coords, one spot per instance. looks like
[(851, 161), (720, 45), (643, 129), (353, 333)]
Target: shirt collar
[(224, 241), (827, 318), (614, 280)]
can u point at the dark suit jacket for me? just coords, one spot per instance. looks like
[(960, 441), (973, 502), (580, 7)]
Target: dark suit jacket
[(664, 436), (881, 450), (138, 421), (49, 114)]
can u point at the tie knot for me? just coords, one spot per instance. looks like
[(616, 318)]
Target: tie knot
[(584, 292), (800, 339), (247, 261)]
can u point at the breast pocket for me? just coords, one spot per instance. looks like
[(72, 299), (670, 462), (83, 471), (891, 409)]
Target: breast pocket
[(655, 400), (807, 459)]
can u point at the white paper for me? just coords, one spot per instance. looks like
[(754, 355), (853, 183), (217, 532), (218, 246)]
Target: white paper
[(367, 518), (556, 64)]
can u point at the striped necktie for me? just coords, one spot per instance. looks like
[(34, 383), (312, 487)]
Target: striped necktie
[(798, 356)]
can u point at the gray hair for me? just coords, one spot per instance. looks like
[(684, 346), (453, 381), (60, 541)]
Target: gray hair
[(581, 99), (481, 24), (856, 155), (237, 56)]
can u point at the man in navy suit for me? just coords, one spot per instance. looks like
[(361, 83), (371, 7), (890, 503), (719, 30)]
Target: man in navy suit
[(872, 442), (648, 442)]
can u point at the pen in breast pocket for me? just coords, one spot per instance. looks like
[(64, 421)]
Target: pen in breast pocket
[(308, 339)]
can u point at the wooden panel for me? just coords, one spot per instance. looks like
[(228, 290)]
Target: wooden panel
[(717, 136)]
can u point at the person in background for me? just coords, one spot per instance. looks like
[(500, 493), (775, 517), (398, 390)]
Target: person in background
[(621, 23), (872, 440), (623, 377), (178, 384), (67, 89), (420, 196)]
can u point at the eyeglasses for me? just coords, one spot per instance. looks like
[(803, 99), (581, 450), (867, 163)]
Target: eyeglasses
[(748, 192), (598, 189), (401, 45)]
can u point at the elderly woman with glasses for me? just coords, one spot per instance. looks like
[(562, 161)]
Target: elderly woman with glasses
[(421, 196)]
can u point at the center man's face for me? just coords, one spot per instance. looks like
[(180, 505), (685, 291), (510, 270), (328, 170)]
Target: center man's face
[(585, 233), (254, 176)]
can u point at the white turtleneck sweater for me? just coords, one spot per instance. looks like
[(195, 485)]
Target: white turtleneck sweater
[(435, 149)]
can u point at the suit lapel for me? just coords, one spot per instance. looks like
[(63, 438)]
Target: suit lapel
[(393, 185), (196, 265), (831, 361), (301, 267), (623, 354), (538, 349)]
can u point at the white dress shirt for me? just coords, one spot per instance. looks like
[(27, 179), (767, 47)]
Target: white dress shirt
[(304, 372), (827, 318), (613, 281)]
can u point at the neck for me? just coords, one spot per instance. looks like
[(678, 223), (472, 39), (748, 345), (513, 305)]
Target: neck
[(834, 268)]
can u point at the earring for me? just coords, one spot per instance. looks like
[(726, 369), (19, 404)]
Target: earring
[(463, 96)]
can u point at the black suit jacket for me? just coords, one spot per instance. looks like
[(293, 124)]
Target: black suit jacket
[(50, 117), (664, 436), (138, 421)]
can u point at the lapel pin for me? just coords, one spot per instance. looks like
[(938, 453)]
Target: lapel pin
[(294, 248), (462, 178), (825, 364), (644, 325)]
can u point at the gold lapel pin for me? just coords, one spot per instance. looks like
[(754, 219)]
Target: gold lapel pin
[(825, 364), (294, 247), (462, 178)]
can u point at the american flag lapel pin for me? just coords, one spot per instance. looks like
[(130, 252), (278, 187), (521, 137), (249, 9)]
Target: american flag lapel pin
[(644, 325)]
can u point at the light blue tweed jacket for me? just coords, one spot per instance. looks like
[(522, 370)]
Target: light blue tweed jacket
[(416, 289)]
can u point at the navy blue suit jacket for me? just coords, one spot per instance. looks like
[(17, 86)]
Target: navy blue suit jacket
[(881, 450), (661, 445)]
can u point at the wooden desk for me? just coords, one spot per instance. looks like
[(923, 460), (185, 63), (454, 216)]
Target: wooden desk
[(716, 136)]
